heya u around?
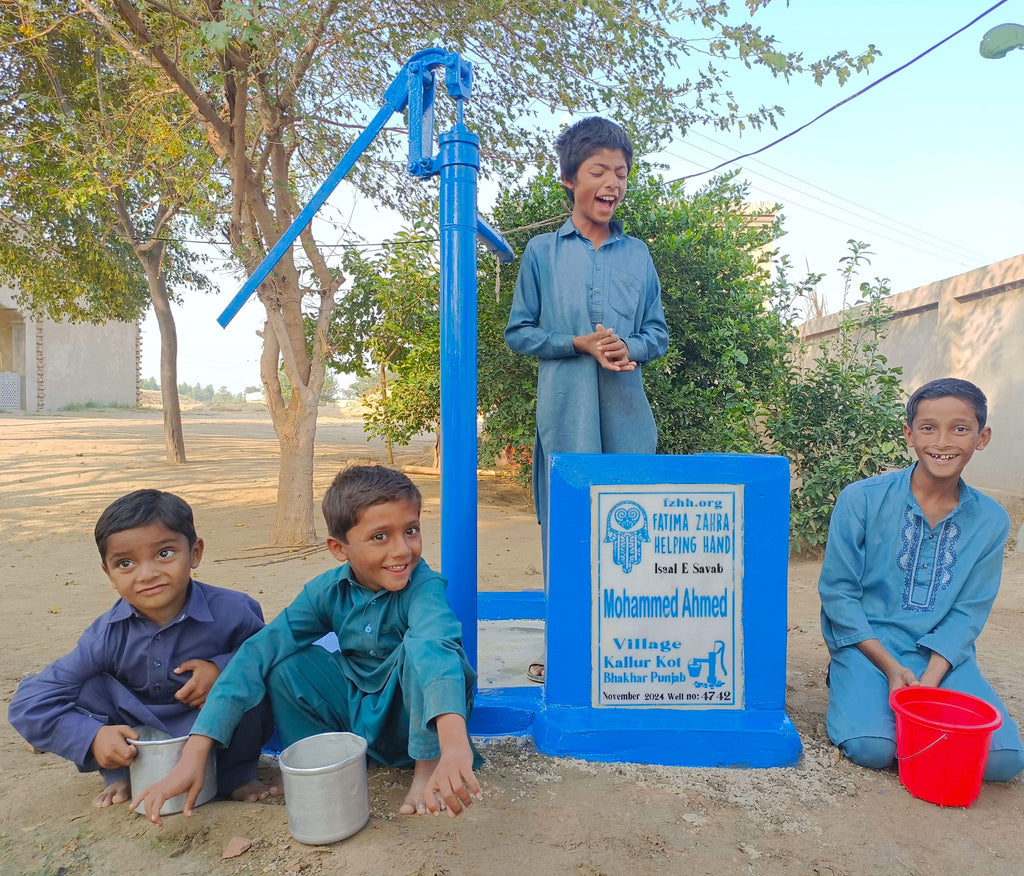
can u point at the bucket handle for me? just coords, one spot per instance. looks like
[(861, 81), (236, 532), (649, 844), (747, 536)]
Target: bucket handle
[(923, 750)]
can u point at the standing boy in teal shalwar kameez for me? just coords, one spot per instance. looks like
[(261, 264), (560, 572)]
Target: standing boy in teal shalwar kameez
[(911, 570), (400, 677), (587, 304)]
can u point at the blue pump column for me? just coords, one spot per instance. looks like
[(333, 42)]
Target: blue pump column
[(458, 164)]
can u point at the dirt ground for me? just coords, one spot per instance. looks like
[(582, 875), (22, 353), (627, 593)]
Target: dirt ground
[(541, 814)]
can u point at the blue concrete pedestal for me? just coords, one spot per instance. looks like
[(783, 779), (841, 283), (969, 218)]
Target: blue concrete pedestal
[(666, 621), (755, 738)]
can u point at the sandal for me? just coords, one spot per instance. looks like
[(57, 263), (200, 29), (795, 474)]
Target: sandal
[(535, 672)]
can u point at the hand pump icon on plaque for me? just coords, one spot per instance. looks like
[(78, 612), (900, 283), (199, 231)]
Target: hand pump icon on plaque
[(716, 657)]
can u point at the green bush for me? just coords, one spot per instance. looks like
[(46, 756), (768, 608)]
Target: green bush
[(735, 378), (839, 416), (98, 406), (727, 347)]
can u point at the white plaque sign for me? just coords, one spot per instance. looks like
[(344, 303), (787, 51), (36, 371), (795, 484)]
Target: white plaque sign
[(667, 607)]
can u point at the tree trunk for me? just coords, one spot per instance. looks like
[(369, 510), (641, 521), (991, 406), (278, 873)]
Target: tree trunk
[(295, 426), (384, 398), (251, 127), (174, 438), (296, 434)]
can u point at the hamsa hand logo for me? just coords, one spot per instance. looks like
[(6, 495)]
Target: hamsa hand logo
[(626, 531)]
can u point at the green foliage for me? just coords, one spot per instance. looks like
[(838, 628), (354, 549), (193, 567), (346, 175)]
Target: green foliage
[(149, 383), (331, 391), (197, 393), (364, 384), (96, 406), (507, 382), (725, 340), (387, 325), (279, 91), (225, 396), (54, 246), (660, 67), (208, 395), (285, 384), (730, 381), (95, 283), (92, 153), (726, 344), (839, 415)]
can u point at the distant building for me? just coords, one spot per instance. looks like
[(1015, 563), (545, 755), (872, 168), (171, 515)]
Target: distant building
[(761, 214), (968, 326), (46, 365)]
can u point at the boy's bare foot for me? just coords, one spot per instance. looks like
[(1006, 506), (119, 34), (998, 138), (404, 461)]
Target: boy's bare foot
[(256, 791), (114, 793), (414, 803)]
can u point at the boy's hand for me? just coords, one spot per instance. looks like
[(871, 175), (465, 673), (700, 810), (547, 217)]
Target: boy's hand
[(187, 775), (895, 672), (453, 777), (615, 352), (606, 347), (204, 674), (900, 676), (111, 746), (453, 780)]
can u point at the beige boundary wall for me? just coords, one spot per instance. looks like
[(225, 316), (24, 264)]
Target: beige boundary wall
[(60, 364), (969, 326)]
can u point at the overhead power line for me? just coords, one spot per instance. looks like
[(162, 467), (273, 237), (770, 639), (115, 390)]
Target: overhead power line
[(845, 101), (945, 248)]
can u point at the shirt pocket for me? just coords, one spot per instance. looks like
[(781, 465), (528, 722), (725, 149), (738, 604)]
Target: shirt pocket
[(391, 636), (624, 297)]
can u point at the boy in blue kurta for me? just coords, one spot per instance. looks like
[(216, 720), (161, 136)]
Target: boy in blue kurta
[(587, 304), (399, 677), (151, 659), (911, 570)]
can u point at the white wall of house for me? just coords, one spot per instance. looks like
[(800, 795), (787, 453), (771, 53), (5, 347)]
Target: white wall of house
[(89, 363), (59, 364), (969, 326)]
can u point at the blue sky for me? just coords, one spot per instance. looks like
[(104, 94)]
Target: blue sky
[(926, 167)]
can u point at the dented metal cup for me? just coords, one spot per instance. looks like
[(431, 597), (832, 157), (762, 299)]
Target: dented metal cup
[(158, 752)]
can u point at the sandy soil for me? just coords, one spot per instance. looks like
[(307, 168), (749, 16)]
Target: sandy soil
[(541, 814)]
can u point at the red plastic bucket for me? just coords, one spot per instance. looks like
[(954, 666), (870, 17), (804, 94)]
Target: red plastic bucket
[(942, 740)]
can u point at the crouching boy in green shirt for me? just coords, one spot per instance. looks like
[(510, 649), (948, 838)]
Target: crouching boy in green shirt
[(399, 677)]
